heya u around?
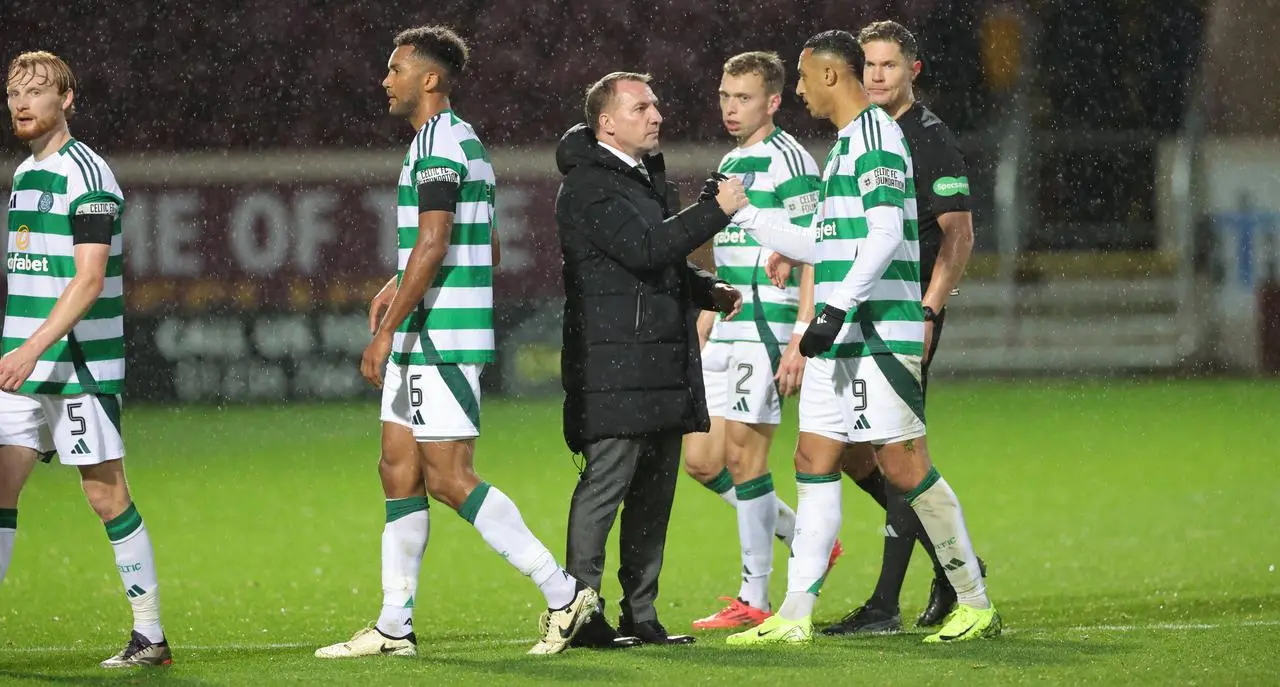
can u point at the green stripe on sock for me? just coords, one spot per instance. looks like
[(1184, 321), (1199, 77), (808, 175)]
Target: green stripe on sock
[(398, 508), (928, 481), (9, 518), (471, 507), (124, 524), (816, 588), (755, 488), (806, 478), (722, 483)]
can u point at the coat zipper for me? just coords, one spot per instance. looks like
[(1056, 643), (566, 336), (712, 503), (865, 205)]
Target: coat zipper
[(639, 308)]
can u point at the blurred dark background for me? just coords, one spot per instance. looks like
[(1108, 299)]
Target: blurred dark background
[(290, 73), (1116, 228)]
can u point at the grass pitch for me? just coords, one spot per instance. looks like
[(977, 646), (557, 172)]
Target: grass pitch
[(1130, 528)]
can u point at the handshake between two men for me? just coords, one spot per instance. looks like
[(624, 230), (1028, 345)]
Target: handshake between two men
[(731, 196), (822, 332)]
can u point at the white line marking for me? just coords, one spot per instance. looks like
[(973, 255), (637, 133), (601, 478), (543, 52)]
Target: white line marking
[(473, 643)]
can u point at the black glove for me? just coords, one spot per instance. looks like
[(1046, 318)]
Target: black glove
[(822, 332), (711, 187)]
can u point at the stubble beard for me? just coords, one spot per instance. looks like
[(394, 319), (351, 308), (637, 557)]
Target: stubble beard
[(43, 125)]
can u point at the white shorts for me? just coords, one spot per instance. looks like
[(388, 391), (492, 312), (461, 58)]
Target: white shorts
[(83, 429), (879, 397), (819, 410), (437, 402), (738, 377), (858, 400)]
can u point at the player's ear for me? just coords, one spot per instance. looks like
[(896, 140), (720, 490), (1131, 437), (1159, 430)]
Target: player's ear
[(775, 101), (431, 81), (916, 66), (68, 102), (829, 76)]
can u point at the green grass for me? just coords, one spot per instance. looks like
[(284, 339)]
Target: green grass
[(1130, 527)]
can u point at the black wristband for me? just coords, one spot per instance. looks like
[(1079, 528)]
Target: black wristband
[(929, 314)]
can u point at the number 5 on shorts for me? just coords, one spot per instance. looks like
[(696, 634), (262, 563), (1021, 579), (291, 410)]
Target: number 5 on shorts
[(81, 427)]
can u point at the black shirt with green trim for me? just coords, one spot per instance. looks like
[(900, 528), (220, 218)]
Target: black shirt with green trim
[(941, 176)]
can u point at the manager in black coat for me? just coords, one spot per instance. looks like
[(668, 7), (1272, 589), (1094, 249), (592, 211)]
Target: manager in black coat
[(631, 367)]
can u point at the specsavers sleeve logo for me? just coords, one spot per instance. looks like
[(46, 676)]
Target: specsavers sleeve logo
[(950, 186)]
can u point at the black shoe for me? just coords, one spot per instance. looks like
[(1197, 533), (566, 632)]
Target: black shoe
[(652, 632), (942, 600), (140, 651), (596, 633), (866, 620)]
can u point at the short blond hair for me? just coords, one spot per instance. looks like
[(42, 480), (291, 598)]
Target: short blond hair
[(767, 64), (58, 71)]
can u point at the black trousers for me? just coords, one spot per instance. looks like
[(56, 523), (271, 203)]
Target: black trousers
[(638, 474)]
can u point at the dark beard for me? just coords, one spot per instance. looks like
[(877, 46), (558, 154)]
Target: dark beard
[(42, 127), (403, 108)]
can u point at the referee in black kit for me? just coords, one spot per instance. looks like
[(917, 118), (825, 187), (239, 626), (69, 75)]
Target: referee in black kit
[(946, 239)]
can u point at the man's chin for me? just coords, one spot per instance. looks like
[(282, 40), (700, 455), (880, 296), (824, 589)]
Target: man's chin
[(28, 135)]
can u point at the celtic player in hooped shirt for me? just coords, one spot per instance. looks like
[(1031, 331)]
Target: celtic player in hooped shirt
[(862, 383), (63, 365), (751, 361), (427, 353)]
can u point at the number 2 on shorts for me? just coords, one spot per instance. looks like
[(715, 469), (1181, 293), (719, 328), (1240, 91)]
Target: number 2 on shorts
[(745, 376)]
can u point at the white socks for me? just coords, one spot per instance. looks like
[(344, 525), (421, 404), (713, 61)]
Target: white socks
[(785, 530), (404, 540), (8, 530), (136, 563), (757, 519), (939, 511), (818, 520), (499, 523)]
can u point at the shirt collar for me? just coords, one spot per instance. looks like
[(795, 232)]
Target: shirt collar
[(631, 162)]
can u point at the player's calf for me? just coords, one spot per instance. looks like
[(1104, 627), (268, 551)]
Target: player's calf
[(941, 516), (105, 486), (704, 460), (16, 463)]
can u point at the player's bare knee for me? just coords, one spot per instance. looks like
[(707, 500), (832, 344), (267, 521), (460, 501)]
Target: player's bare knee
[(16, 463), (746, 463), (858, 461), (816, 455), (400, 476), (105, 489), (450, 489), (450, 472), (904, 464), (700, 469)]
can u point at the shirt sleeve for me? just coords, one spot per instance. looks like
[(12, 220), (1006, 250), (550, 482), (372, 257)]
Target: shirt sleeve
[(941, 172), (439, 168), (881, 178)]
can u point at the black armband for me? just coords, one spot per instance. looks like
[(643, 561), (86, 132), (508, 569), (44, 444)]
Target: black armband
[(437, 188), (92, 228), (438, 195)]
